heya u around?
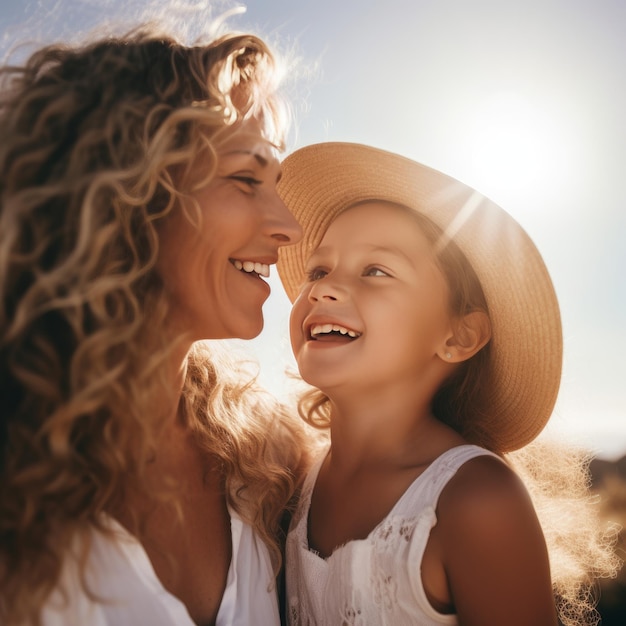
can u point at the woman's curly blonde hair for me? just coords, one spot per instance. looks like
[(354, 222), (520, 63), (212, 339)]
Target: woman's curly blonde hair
[(259, 443), (97, 143)]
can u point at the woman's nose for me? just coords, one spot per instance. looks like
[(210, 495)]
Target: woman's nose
[(282, 224)]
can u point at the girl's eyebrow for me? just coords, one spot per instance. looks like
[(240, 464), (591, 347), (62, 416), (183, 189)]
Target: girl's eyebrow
[(390, 250), (319, 254), (320, 251)]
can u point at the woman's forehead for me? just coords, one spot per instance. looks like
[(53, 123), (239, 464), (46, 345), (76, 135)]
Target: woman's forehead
[(250, 137)]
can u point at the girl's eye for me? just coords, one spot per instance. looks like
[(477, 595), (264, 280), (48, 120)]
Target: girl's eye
[(375, 271), (315, 274)]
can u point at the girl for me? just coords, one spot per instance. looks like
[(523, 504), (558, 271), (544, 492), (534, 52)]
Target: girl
[(426, 319)]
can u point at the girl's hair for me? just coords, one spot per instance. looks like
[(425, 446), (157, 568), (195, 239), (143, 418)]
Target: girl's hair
[(556, 478), (98, 144)]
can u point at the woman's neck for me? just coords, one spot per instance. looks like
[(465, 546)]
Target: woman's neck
[(170, 444)]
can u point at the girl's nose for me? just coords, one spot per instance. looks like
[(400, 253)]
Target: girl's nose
[(326, 289)]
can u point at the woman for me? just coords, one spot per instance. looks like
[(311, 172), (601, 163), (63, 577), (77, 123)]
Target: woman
[(140, 482)]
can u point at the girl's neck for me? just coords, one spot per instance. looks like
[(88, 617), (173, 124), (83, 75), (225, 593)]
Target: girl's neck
[(386, 429)]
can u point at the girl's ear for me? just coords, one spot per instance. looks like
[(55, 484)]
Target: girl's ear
[(470, 334)]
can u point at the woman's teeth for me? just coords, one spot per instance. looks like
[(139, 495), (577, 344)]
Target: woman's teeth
[(250, 267)]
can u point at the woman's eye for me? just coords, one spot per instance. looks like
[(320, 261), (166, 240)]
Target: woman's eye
[(375, 271), (315, 274), (247, 180)]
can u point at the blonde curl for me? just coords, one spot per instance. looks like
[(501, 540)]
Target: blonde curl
[(95, 152)]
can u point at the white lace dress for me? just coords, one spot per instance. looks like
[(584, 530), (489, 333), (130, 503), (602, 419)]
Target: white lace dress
[(377, 580)]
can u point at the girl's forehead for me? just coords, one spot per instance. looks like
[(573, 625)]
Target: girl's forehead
[(376, 226), (377, 219)]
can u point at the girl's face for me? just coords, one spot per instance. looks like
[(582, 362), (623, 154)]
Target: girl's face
[(213, 271), (375, 308)]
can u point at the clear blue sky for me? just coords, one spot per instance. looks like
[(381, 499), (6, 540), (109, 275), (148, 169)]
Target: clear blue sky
[(523, 100)]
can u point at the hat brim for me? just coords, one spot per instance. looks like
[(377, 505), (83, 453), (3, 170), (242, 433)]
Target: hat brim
[(321, 180)]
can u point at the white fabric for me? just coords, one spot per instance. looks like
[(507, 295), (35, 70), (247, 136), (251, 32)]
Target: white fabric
[(250, 595), (376, 580), (130, 594)]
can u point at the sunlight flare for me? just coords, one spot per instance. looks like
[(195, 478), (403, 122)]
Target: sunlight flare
[(519, 146)]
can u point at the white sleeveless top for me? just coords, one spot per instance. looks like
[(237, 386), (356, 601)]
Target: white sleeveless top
[(120, 572), (376, 580)]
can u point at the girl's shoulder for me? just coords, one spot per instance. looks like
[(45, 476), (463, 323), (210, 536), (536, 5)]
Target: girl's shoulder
[(491, 545), (484, 490), (485, 513), (486, 509)]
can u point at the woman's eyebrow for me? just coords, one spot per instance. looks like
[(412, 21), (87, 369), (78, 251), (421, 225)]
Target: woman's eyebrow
[(263, 162)]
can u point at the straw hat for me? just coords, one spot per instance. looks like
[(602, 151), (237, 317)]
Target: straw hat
[(526, 346)]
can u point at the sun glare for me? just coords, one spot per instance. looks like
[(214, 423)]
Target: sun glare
[(518, 146)]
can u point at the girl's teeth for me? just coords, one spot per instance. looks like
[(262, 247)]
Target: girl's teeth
[(320, 329)]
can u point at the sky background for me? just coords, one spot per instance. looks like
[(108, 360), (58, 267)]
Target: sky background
[(525, 101)]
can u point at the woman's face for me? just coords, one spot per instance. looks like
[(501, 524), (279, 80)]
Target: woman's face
[(213, 271)]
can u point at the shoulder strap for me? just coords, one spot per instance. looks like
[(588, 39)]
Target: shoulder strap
[(426, 488)]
